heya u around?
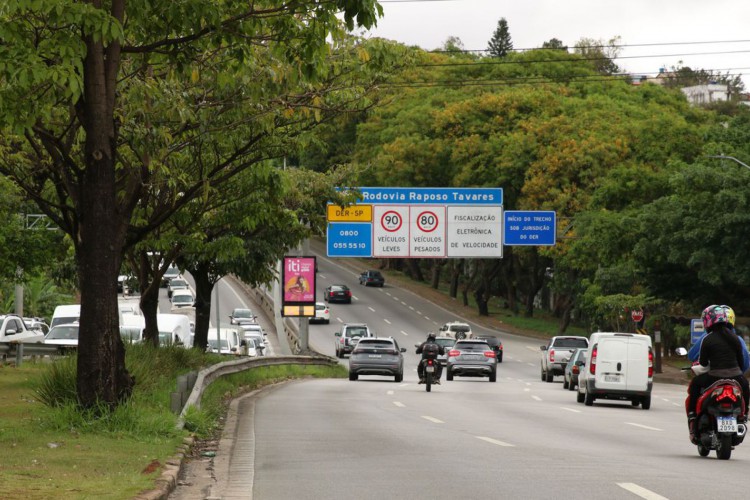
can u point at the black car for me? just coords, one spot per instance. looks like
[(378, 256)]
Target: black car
[(371, 277), (496, 345), (338, 293)]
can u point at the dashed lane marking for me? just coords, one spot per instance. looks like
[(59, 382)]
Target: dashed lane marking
[(644, 426), (536, 398), (571, 409), (386, 321), (399, 404), (371, 309), (404, 333), (641, 491), (432, 419), (390, 393), (495, 441)]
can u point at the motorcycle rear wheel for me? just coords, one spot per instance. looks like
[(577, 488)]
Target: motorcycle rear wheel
[(428, 382), (724, 451), (703, 451)]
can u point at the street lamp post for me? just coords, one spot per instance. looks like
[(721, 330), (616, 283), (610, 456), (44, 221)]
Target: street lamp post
[(725, 157)]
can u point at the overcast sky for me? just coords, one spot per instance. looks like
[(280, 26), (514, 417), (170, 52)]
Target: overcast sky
[(428, 23)]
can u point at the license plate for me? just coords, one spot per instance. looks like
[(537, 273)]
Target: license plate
[(472, 357), (375, 356), (611, 378), (726, 424), (430, 369)]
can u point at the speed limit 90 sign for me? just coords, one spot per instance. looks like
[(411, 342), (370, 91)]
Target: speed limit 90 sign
[(391, 221)]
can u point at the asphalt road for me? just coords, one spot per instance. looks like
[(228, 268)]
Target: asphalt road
[(469, 438)]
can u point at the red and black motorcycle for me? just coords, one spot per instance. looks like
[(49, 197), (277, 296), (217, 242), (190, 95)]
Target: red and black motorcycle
[(716, 425)]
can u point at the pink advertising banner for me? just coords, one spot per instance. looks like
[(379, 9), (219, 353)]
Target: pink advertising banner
[(299, 280)]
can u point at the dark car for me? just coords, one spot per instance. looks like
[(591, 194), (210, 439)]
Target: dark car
[(496, 345), (447, 343), (371, 277), (573, 368), (377, 356), (338, 293), (471, 358)]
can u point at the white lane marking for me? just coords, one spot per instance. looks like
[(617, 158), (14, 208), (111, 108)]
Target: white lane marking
[(339, 320), (404, 385), (399, 404), (678, 404), (494, 441), (427, 318), (390, 393), (419, 312), (527, 383), (432, 419), (531, 348), (411, 307), (371, 309), (386, 321), (641, 492), (526, 389), (644, 426), (388, 293), (665, 400), (530, 364), (322, 276), (536, 398), (571, 409), (404, 303), (404, 333), (510, 378), (355, 297), (396, 298)]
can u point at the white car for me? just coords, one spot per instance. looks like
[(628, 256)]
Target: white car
[(178, 283), (182, 298), (457, 330), (257, 338), (322, 313), (65, 335)]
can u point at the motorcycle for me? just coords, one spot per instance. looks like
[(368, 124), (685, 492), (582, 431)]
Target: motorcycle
[(431, 371), (718, 409)]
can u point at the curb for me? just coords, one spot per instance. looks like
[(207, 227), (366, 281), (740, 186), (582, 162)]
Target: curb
[(167, 480)]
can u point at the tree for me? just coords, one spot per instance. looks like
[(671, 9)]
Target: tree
[(600, 54), (555, 44), (500, 44), (98, 113)]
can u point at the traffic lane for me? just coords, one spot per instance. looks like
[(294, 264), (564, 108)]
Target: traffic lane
[(611, 441)]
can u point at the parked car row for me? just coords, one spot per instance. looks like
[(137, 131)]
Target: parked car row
[(607, 365)]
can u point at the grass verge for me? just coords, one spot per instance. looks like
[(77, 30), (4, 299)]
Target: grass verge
[(53, 449)]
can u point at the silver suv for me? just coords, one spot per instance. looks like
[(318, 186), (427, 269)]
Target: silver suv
[(471, 358), (348, 337)]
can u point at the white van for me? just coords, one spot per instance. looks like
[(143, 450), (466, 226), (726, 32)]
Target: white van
[(66, 314), (227, 338), (174, 329), (618, 366), (131, 327)]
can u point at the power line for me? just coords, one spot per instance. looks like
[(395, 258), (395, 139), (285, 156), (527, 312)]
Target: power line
[(571, 60), (615, 46)]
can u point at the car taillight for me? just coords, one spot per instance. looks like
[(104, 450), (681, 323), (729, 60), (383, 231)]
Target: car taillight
[(348, 293), (592, 363), (392, 352), (575, 370), (489, 354), (331, 294), (342, 340), (551, 355), (650, 363), (453, 353)]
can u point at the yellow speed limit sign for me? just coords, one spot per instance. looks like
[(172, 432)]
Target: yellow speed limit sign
[(353, 213)]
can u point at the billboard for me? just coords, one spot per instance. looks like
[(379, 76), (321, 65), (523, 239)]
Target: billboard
[(298, 276)]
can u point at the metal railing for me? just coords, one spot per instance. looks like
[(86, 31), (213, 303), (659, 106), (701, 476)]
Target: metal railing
[(206, 376), (18, 350)]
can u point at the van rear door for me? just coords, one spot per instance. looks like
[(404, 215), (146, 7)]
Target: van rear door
[(637, 375), (611, 362)]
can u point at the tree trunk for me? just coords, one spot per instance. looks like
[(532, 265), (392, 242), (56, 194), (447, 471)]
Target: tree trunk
[(456, 269), (414, 270), (480, 295), (150, 307), (101, 373), (203, 289), (565, 318), (437, 266)]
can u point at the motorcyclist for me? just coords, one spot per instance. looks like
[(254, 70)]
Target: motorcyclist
[(722, 353), (430, 353), (731, 318)]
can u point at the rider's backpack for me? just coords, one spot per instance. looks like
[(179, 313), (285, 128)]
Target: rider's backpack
[(431, 350)]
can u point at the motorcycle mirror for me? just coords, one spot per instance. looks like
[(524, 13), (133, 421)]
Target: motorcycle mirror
[(681, 351)]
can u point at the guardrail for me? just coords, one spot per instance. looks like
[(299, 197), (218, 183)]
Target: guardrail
[(208, 375), (21, 349)]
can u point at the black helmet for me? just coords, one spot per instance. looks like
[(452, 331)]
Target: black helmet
[(431, 336)]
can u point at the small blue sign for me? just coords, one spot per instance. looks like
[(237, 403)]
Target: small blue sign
[(537, 228), (349, 239), (696, 330)]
